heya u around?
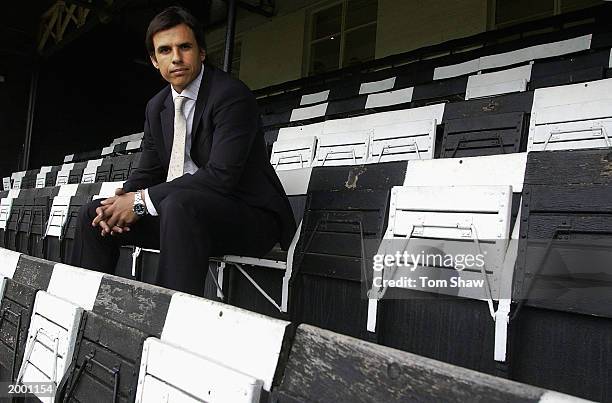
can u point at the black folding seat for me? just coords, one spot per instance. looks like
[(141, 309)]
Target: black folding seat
[(22, 206), (48, 179), (59, 234), (121, 167), (496, 125), (76, 173), (106, 362), (104, 170), (87, 155), (449, 90), (31, 275), (275, 118), (562, 281), (348, 106), (279, 103), (573, 69), (32, 221), (344, 220), (29, 179)]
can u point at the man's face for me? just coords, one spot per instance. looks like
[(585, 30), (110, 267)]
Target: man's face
[(177, 56)]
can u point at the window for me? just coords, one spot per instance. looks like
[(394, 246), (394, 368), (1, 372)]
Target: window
[(217, 53), (509, 12), (342, 35)]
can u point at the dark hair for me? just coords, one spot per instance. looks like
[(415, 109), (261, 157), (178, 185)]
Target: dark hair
[(171, 17)]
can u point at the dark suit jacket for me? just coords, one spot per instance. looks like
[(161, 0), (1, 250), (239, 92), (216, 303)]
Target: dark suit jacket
[(227, 146)]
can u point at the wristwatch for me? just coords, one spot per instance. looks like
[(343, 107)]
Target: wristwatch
[(140, 209)]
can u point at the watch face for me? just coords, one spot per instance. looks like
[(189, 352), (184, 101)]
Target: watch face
[(139, 209)]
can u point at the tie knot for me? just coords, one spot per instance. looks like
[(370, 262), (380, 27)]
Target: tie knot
[(178, 103)]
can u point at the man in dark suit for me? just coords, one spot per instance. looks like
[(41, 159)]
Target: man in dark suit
[(204, 185)]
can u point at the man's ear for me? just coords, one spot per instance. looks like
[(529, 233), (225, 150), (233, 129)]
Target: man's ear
[(202, 55), (154, 62)]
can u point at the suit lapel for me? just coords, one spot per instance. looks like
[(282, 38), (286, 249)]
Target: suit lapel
[(203, 93), (167, 123)]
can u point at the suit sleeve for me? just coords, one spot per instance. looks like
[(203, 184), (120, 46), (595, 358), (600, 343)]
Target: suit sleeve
[(150, 170), (235, 120)]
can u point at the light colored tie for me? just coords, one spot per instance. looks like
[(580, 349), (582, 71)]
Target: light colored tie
[(177, 158)]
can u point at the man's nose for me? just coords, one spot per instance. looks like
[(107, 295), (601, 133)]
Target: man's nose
[(176, 55)]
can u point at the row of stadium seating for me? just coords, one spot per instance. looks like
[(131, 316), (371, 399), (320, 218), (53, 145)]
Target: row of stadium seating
[(574, 60), (456, 172), (101, 338)]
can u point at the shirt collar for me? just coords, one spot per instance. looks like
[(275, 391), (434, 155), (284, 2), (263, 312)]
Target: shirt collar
[(191, 91)]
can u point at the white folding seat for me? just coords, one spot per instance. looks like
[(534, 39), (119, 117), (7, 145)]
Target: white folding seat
[(6, 204), (89, 173), (499, 82), (107, 150), (506, 171), (170, 374), (16, 178), (133, 145), (51, 340), (373, 120), (573, 116), (59, 210), (107, 189), (388, 98), (314, 98), (68, 158), (293, 153), (403, 141), (6, 183), (244, 341), (8, 264), (348, 148), (377, 86), (308, 112), (125, 139), (63, 175), (313, 129), (41, 177)]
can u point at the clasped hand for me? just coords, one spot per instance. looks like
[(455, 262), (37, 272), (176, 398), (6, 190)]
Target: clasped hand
[(116, 214)]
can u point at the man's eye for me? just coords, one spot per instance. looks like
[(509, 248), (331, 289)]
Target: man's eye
[(185, 47), (164, 50)]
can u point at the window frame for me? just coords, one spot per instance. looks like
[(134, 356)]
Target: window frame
[(343, 33), (492, 7)]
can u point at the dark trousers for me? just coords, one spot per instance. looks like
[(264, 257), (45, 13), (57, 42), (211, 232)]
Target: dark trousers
[(191, 227)]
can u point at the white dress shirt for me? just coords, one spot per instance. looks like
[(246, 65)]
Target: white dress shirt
[(189, 167)]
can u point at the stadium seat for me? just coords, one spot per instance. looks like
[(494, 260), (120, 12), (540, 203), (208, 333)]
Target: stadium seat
[(496, 125), (499, 82), (343, 222), (106, 361), (16, 178), (6, 204), (31, 275), (348, 148), (63, 175), (244, 341), (90, 171), (6, 183), (570, 70), (573, 116), (29, 179), (51, 341), (179, 375), (293, 153), (565, 242), (47, 176), (76, 173), (450, 90), (386, 316)]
